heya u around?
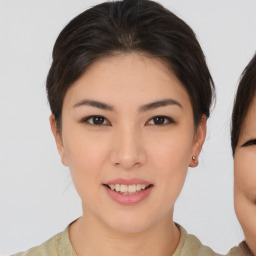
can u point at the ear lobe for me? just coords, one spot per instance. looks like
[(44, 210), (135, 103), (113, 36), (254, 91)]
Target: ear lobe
[(58, 140), (198, 142)]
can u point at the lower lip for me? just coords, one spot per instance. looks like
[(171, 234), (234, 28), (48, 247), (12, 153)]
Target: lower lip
[(128, 199)]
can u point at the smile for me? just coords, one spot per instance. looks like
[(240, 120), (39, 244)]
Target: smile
[(128, 192), (128, 189)]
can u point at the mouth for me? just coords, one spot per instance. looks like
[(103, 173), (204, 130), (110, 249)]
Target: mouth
[(124, 189), (128, 191)]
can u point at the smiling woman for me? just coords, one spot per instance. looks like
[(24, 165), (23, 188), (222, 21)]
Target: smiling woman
[(130, 93)]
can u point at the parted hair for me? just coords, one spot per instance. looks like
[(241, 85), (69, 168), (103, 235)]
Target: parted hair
[(117, 27)]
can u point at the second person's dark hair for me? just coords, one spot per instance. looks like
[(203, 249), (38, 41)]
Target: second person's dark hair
[(129, 26), (244, 96)]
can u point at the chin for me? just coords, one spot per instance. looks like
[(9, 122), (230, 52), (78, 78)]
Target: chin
[(129, 223)]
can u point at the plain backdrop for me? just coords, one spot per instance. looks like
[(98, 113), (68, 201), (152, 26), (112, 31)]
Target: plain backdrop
[(37, 198)]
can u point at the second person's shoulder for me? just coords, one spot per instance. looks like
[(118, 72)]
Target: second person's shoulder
[(190, 245)]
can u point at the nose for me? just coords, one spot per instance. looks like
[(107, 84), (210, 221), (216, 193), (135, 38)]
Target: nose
[(128, 150)]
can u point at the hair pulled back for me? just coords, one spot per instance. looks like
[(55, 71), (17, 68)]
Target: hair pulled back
[(126, 26)]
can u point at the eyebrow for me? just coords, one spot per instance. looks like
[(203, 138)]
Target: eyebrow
[(143, 108), (160, 103), (94, 103)]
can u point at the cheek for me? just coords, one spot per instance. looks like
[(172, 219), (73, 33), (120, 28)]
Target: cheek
[(85, 155), (245, 175), (171, 151), (171, 158), (81, 153), (245, 191)]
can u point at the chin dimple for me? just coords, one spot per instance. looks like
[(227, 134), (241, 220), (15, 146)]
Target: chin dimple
[(128, 189)]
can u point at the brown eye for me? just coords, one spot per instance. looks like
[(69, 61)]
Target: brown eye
[(96, 120), (160, 120)]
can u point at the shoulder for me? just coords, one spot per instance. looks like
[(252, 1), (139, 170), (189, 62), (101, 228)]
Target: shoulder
[(190, 245), (57, 245), (241, 250), (50, 247)]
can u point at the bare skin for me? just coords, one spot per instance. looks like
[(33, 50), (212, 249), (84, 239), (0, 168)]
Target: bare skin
[(245, 178), (127, 117)]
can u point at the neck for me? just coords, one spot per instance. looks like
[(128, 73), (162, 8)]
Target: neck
[(91, 237)]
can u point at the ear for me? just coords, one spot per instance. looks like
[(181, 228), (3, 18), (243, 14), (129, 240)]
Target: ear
[(58, 140), (198, 142)]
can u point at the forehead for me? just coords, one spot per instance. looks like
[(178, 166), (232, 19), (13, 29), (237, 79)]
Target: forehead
[(128, 76)]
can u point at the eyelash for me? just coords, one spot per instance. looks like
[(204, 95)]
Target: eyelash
[(249, 143), (87, 120), (166, 120)]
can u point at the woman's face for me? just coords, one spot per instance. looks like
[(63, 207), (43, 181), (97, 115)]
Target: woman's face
[(127, 124), (245, 177)]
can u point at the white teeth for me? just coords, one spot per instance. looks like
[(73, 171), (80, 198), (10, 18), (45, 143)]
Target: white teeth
[(143, 186), (117, 187), (123, 188), (138, 187), (128, 189), (132, 188)]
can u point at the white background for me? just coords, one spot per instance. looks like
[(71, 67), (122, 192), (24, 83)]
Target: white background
[(37, 198)]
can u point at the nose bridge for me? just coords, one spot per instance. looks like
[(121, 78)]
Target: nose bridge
[(128, 150)]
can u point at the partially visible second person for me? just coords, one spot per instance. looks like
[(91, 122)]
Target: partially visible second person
[(243, 140)]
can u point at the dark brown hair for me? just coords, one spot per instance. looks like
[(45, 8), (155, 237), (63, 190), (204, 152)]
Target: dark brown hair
[(244, 96), (116, 27)]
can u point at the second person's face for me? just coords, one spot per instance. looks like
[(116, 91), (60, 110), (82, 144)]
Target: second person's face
[(245, 177)]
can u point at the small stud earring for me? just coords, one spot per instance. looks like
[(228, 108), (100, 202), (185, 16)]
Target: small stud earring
[(194, 159)]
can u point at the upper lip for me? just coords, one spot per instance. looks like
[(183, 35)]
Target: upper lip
[(128, 181)]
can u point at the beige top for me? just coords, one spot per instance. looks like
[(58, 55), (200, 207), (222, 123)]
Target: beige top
[(241, 250), (60, 245)]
